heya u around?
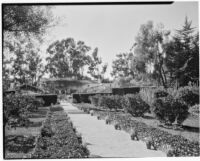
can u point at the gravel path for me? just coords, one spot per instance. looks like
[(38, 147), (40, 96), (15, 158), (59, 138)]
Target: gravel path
[(103, 140)]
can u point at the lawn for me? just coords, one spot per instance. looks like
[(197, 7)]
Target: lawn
[(18, 137)]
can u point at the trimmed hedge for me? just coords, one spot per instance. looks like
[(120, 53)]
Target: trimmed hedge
[(130, 103), (123, 91), (48, 99), (58, 140), (85, 97)]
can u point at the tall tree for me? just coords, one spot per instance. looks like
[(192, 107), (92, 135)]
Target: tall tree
[(94, 65), (183, 55), (67, 58), (121, 65), (103, 71), (150, 51), (22, 25), (19, 67), (35, 66), (23, 19)]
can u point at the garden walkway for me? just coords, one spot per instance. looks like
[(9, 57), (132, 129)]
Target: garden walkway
[(103, 140)]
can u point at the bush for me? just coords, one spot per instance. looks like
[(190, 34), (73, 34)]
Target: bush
[(111, 102), (19, 143), (160, 93), (147, 95), (189, 95), (194, 110), (16, 107), (74, 100), (134, 105), (95, 99), (169, 109)]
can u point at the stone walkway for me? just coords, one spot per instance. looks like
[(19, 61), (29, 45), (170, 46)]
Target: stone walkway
[(103, 140)]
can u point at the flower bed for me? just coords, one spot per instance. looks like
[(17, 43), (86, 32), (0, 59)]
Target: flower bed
[(19, 143), (162, 140), (58, 140)]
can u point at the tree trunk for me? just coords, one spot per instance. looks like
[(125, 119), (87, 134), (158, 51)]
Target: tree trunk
[(165, 79)]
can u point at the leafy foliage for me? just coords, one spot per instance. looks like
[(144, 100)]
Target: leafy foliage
[(16, 108), (160, 92), (23, 27), (182, 55), (67, 58), (121, 66), (94, 100), (26, 19), (110, 102), (187, 95), (19, 143), (134, 105), (58, 140), (169, 109), (150, 52)]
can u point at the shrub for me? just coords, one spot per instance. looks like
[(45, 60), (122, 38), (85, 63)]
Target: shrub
[(169, 109), (147, 94), (19, 143), (34, 103), (189, 95), (194, 110), (95, 99), (111, 102), (134, 105), (160, 92), (74, 100), (16, 107)]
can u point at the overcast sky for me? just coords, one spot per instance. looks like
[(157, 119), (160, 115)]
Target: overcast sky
[(113, 28)]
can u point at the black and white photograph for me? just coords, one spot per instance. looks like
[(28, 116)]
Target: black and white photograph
[(101, 79)]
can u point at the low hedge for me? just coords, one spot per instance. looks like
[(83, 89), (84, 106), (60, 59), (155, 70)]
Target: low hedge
[(85, 97), (58, 140), (131, 103), (48, 99), (161, 139), (123, 91)]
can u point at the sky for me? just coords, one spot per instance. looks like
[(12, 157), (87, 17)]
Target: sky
[(113, 28)]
